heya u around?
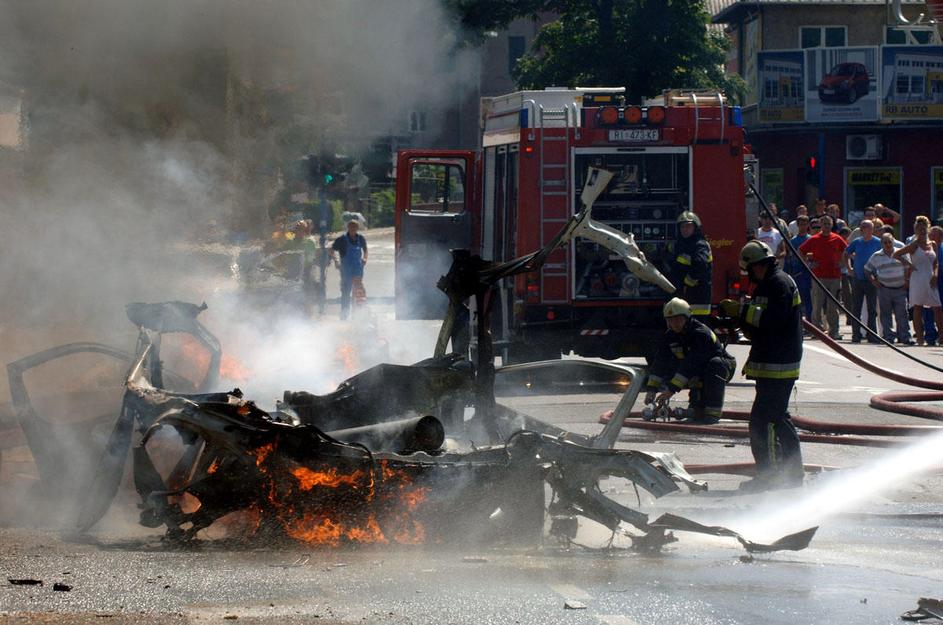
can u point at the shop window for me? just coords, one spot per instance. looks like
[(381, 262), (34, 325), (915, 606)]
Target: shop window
[(936, 176), (866, 186)]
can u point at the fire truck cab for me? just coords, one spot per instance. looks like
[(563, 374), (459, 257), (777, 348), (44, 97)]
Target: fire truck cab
[(681, 151)]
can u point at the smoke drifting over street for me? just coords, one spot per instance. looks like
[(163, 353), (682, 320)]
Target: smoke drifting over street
[(144, 122)]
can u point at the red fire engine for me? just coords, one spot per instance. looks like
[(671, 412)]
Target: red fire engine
[(681, 151)]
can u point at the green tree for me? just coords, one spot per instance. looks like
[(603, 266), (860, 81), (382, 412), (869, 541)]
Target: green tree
[(643, 45)]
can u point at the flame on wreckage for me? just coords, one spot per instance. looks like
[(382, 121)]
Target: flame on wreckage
[(357, 465)]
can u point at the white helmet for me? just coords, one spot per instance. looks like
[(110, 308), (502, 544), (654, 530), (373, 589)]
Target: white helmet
[(675, 307)]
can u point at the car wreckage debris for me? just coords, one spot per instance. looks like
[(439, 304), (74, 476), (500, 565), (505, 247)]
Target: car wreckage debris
[(297, 476), (363, 464)]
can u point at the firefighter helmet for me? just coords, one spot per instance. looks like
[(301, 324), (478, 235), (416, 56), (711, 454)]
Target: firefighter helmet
[(754, 252), (675, 307), (688, 217)]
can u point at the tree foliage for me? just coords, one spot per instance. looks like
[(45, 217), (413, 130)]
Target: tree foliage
[(643, 45)]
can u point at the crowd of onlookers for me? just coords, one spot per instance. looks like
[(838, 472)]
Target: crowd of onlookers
[(874, 274)]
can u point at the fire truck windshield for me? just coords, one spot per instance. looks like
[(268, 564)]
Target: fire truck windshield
[(649, 190)]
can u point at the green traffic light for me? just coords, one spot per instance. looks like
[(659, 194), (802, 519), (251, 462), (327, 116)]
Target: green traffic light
[(328, 179)]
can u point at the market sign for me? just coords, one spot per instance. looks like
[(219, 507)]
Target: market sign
[(858, 177)]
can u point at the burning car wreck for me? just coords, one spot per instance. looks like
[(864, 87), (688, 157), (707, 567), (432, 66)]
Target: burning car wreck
[(369, 463)]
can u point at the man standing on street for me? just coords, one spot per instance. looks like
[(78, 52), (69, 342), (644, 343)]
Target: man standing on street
[(856, 255), (824, 253), (772, 320), (888, 275), (352, 248)]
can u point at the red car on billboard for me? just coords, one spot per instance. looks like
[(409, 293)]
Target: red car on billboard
[(845, 83)]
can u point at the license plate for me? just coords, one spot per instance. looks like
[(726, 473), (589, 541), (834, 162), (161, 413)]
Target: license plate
[(635, 135)]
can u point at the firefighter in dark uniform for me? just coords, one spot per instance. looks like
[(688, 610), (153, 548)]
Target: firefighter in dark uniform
[(691, 264), (690, 356), (772, 320)]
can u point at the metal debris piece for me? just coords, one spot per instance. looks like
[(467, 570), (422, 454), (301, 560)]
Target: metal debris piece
[(928, 611), (792, 542), (572, 604), (60, 587), (25, 581)]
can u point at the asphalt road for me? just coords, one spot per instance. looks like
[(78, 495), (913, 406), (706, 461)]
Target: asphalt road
[(876, 552)]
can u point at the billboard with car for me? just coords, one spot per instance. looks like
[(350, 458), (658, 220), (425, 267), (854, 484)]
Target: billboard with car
[(912, 82), (841, 84)]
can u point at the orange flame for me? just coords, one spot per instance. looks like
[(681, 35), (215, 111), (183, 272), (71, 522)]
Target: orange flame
[(346, 355), (261, 453), (233, 370), (308, 479), (214, 466)]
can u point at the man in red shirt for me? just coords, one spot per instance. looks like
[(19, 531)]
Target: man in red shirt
[(824, 253)]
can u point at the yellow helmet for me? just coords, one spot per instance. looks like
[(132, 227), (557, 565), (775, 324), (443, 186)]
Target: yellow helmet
[(688, 217), (676, 306), (754, 252)]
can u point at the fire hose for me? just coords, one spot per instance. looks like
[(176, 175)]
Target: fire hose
[(818, 431)]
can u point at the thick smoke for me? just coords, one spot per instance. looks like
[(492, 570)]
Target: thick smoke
[(146, 122), (147, 125)]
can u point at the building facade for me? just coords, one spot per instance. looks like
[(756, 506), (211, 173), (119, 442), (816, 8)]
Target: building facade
[(844, 102)]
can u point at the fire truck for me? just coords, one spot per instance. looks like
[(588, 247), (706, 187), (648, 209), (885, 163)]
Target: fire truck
[(681, 151)]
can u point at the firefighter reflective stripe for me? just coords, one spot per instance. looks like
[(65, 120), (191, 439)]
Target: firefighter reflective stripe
[(796, 298), (713, 412), (679, 380), (678, 351), (762, 301), (654, 380), (710, 256), (684, 259), (700, 309), (774, 370), (689, 281), (753, 315)]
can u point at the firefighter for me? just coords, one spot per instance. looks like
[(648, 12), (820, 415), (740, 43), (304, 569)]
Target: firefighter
[(772, 319), (690, 356), (691, 265)]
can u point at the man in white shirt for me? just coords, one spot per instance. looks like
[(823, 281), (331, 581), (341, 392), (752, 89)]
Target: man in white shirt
[(889, 276), (770, 236)]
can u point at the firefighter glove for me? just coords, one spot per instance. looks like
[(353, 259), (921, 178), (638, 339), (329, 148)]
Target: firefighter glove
[(730, 308)]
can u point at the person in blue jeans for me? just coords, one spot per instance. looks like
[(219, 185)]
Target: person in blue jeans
[(352, 249), (856, 256), (797, 270)]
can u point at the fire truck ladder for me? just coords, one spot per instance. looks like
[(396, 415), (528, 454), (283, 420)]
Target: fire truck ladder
[(704, 102), (555, 174)]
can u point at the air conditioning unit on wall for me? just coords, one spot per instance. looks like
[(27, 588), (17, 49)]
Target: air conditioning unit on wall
[(863, 147)]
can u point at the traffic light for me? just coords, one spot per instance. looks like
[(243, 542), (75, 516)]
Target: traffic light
[(812, 166)]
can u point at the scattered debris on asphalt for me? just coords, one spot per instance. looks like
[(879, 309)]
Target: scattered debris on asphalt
[(25, 582)]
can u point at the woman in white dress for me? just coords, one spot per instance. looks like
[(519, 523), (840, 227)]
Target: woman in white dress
[(923, 275)]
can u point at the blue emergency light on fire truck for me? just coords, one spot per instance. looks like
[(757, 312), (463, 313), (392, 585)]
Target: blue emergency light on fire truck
[(681, 151)]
